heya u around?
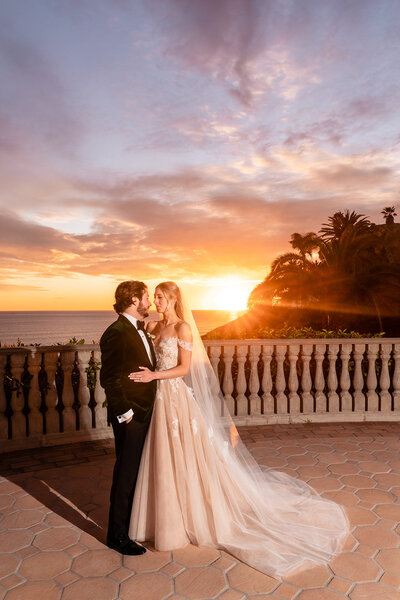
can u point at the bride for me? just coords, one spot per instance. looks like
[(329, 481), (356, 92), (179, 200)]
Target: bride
[(198, 483)]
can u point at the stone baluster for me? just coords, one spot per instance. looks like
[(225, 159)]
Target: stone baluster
[(100, 412), (280, 382), (35, 417), (254, 381), (227, 384), (26, 380), (215, 353), (76, 384), (333, 398), (396, 378), (358, 379), (293, 381), (85, 414), (384, 379), (68, 414), (52, 416), (266, 383), (345, 396), (44, 387), (91, 382), (319, 382), (372, 396), (306, 383), (241, 386), (18, 419), (3, 401), (8, 388), (59, 383)]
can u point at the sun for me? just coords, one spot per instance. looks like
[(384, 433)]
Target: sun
[(231, 294)]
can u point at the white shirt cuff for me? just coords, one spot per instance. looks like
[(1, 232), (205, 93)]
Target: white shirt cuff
[(125, 416)]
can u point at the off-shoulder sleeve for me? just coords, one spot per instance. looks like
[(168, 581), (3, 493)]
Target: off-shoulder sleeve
[(185, 345)]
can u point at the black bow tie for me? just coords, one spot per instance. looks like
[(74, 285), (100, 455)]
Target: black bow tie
[(140, 325)]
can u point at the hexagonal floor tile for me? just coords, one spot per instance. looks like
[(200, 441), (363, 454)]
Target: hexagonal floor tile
[(388, 511), (331, 459), (344, 469), (56, 539), (150, 561), (100, 588), (387, 480), (248, 580), (96, 562), (149, 586), (200, 583), (22, 519), (355, 567), (318, 594), (375, 496), (28, 502), (91, 542), (45, 565), (358, 481), (36, 590), (360, 516), (374, 466), (11, 541), (374, 591), (389, 560), (324, 484), (376, 537), (317, 576), (8, 564), (6, 500), (231, 595), (193, 556), (307, 473)]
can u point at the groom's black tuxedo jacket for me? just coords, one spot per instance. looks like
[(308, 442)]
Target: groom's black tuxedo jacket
[(122, 352)]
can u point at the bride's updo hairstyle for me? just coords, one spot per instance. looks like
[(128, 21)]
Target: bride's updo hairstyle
[(172, 292)]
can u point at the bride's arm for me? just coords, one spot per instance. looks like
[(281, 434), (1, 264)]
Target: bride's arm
[(184, 358)]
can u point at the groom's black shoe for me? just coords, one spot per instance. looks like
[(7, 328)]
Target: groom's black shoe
[(125, 546)]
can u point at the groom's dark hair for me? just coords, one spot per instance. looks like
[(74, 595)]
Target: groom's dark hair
[(124, 293)]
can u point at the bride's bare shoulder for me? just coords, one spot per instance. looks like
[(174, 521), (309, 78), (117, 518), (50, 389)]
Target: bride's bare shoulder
[(184, 331)]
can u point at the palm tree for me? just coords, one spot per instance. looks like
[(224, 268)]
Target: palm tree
[(290, 277), (343, 271), (343, 221), (306, 243), (389, 214)]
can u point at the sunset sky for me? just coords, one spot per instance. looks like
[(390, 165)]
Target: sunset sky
[(186, 139)]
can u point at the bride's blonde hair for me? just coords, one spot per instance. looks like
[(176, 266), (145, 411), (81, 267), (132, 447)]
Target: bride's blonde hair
[(172, 292)]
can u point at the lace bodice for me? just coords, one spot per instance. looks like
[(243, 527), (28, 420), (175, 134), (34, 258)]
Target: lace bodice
[(167, 352)]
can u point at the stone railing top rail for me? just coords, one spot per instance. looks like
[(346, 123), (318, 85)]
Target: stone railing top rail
[(222, 342)]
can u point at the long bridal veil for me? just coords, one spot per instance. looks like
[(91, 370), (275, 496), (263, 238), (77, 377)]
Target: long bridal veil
[(273, 521)]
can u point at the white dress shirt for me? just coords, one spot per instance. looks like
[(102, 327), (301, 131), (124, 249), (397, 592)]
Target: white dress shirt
[(146, 344)]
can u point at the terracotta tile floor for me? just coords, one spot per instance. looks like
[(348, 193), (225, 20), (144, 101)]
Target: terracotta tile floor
[(53, 513)]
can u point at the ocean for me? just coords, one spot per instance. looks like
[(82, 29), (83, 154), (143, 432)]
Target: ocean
[(52, 327)]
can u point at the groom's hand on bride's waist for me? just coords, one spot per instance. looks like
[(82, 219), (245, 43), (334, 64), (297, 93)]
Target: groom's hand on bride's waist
[(142, 376)]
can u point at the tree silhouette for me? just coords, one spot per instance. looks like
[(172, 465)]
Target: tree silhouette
[(389, 214), (343, 270)]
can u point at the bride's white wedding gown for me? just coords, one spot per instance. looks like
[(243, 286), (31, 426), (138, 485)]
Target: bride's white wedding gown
[(189, 490)]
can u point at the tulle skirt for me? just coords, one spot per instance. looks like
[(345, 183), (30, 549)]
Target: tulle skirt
[(190, 489)]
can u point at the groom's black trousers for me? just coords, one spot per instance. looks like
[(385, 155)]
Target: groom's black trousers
[(129, 441)]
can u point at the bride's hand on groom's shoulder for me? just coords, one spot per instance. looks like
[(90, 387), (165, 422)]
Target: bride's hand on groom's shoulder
[(142, 376)]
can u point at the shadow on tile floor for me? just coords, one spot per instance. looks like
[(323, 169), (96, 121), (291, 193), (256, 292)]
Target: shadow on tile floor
[(76, 494)]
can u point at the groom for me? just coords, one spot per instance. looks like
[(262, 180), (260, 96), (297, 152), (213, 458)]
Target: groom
[(124, 347)]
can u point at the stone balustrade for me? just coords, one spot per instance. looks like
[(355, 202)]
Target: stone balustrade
[(51, 395)]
